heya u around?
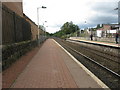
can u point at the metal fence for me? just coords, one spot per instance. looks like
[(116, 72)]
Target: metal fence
[(14, 28)]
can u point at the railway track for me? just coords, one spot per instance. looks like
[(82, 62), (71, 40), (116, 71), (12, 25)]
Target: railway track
[(110, 61), (108, 76), (112, 58)]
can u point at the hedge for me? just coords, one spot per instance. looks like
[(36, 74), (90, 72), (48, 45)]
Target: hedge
[(10, 53)]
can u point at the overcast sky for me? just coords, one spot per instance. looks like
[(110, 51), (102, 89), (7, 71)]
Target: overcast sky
[(60, 11)]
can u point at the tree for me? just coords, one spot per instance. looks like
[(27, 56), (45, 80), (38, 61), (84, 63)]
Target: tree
[(69, 27), (66, 29), (98, 26), (102, 25), (41, 27)]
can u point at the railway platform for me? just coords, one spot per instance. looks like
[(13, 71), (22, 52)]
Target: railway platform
[(54, 67), (97, 42)]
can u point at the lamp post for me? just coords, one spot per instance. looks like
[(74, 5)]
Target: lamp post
[(86, 30), (45, 31), (44, 28), (38, 20)]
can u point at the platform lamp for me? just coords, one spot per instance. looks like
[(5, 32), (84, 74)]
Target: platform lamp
[(43, 7), (46, 32), (44, 28)]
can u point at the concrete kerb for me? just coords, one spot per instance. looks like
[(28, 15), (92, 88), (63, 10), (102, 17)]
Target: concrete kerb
[(84, 68)]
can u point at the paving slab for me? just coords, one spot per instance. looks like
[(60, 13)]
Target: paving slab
[(52, 67), (46, 70), (80, 73)]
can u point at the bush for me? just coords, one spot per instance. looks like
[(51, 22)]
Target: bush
[(10, 53)]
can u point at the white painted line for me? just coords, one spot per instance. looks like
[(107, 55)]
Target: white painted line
[(84, 68)]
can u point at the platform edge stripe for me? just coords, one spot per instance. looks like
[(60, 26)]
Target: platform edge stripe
[(84, 68)]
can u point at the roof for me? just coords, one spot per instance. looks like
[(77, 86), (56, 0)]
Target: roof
[(113, 25)]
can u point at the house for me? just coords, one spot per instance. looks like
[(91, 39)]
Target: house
[(108, 30), (99, 32)]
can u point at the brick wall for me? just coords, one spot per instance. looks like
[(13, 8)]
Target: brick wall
[(34, 28), (17, 7), (14, 28)]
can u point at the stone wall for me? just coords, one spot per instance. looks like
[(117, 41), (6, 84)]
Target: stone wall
[(11, 52)]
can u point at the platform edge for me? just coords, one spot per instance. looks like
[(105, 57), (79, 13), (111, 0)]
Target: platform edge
[(84, 68)]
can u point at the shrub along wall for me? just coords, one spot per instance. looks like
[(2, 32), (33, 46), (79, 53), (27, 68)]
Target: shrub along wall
[(10, 53)]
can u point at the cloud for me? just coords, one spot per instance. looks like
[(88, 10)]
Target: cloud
[(105, 7), (52, 29), (103, 19), (60, 11), (101, 13)]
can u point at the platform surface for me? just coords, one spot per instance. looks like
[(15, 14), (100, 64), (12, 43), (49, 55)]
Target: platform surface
[(52, 67), (97, 42)]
